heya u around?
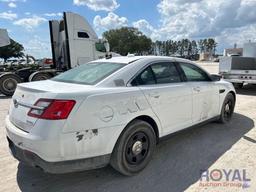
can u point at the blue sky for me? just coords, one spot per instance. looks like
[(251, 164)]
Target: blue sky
[(228, 21)]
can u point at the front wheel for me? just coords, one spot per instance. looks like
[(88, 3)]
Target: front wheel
[(134, 148), (227, 109)]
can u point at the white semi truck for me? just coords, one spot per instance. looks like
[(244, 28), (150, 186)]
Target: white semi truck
[(240, 70), (73, 42)]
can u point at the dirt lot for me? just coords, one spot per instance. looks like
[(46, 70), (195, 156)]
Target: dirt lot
[(176, 165)]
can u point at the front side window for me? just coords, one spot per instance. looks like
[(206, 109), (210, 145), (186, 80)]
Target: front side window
[(194, 73), (89, 74), (158, 73)]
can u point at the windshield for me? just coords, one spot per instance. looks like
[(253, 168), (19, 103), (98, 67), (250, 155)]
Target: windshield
[(89, 74)]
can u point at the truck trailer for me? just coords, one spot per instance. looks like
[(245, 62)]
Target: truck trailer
[(73, 42)]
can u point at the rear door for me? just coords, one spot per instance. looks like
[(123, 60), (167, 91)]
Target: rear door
[(169, 97), (205, 92)]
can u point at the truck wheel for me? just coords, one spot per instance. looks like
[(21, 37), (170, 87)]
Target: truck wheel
[(227, 109), (40, 77), (238, 85), (8, 84), (134, 148)]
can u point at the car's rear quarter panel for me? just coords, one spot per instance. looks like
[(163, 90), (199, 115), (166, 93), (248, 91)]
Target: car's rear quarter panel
[(101, 118)]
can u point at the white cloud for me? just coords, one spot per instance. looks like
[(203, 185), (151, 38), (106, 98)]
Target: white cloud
[(53, 14), (98, 5), (238, 35), (27, 13), (37, 47), (145, 27), (204, 18), (8, 1), (228, 21), (8, 15), (111, 21), (12, 5), (30, 23)]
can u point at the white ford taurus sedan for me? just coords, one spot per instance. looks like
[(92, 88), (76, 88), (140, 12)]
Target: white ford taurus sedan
[(112, 111)]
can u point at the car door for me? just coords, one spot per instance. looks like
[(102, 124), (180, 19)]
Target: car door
[(205, 92), (169, 97)]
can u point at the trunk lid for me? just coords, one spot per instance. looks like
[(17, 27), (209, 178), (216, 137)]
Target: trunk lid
[(27, 94)]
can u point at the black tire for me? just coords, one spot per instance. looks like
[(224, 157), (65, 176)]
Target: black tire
[(134, 148), (227, 109), (40, 77), (238, 85), (8, 84)]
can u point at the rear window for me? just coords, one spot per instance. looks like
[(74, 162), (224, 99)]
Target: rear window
[(89, 74)]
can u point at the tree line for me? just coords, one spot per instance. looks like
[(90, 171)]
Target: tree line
[(14, 49), (185, 48), (130, 40)]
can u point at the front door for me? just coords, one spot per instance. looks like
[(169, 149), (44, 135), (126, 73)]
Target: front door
[(205, 93), (169, 97)]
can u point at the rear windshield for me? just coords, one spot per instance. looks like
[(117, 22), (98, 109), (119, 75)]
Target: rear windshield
[(89, 74)]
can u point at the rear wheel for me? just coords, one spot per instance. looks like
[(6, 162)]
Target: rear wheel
[(227, 108), (134, 148), (40, 77), (8, 84)]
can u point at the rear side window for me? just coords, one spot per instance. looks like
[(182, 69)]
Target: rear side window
[(145, 78), (158, 73), (194, 73), (165, 73)]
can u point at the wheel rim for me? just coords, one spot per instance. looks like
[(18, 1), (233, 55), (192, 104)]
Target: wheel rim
[(228, 110), (41, 78), (9, 84), (137, 148)]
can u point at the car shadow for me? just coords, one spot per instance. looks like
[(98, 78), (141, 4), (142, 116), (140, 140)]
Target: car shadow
[(175, 166), (4, 97), (247, 90)]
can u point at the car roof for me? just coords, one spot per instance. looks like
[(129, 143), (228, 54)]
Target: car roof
[(130, 59)]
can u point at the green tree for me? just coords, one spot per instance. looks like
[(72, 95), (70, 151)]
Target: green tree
[(128, 40), (13, 50)]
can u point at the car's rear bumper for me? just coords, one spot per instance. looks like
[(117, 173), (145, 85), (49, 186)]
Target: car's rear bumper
[(30, 158)]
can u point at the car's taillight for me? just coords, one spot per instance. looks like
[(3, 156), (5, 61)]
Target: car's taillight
[(52, 109)]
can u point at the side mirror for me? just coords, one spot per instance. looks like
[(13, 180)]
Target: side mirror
[(215, 77)]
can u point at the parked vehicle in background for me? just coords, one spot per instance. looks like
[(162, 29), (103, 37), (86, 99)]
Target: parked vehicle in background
[(112, 111), (73, 42), (239, 70)]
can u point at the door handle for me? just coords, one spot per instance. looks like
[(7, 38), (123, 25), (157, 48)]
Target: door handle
[(197, 89), (154, 95)]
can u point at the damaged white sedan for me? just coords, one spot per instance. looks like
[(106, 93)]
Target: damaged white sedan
[(112, 111)]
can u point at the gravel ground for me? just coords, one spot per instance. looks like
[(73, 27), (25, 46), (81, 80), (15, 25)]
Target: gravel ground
[(176, 165)]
